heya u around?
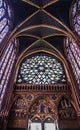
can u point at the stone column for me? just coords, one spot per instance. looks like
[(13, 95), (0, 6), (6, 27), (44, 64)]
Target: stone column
[(26, 122)]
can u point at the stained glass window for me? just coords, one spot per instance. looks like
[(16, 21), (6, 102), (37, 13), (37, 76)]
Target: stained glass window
[(73, 54), (76, 16), (6, 65), (5, 18), (41, 69), (2, 12), (1, 3)]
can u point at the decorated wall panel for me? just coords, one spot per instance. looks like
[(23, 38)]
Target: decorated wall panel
[(66, 110), (35, 107)]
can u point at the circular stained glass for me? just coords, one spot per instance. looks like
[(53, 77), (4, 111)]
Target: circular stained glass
[(41, 69)]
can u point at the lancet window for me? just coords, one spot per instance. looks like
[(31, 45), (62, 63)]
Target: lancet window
[(6, 67), (76, 16), (5, 19), (73, 54)]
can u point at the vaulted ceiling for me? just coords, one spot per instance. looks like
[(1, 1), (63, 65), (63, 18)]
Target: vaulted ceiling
[(41, 19)]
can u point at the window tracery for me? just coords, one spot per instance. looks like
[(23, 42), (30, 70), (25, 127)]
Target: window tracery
[(76, 17), (5, 19), (6, 67), (73, 54), (41, 69)]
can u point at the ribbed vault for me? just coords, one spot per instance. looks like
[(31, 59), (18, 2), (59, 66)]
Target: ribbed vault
[(38, 21)]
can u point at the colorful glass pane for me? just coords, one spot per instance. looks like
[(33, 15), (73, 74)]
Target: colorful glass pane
[(5, 19), (73, 54), (5, 6), (6, 67), (77, 28), (3, 23), (76, 17), (41, 69), (4, 32), (9, 12), (2, 12), (79, 4), (74, 10), (1, 3)]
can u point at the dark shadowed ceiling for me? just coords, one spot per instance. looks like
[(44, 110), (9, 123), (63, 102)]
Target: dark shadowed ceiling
[(40, 21)]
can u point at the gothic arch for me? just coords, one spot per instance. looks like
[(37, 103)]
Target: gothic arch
[(52, 51)]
